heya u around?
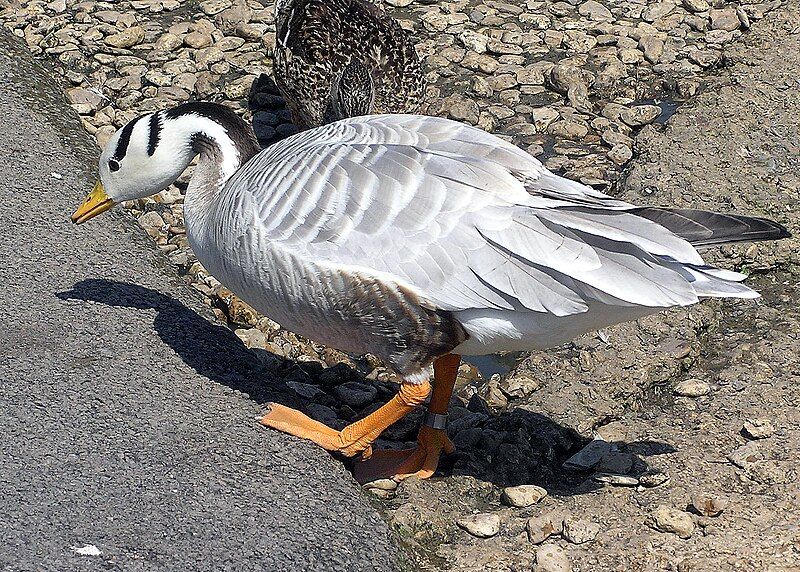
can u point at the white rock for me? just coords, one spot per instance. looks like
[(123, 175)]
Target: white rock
[(252, 337), (595, 11), (382, 484), (668, 519), (552, 558), (483, 525), (692, 387), (542, 527), (758, 428), (617, 480), (474, 41), (696, 5), (152, 223), (543, 117), (87, 550), (578, 531), (708, 505), (212, 7), (523, 495)]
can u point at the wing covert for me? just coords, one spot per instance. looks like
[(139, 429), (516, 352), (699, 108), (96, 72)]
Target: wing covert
[(463, 218)]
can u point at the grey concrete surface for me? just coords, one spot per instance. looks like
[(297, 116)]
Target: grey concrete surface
[(127, 420)]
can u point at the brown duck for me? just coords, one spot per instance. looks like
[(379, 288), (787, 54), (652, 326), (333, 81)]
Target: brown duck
[(343, 58)]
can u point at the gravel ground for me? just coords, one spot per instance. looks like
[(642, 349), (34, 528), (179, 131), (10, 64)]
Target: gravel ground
[(591, 89)]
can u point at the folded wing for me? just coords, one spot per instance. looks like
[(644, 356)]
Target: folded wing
[(465, 220)]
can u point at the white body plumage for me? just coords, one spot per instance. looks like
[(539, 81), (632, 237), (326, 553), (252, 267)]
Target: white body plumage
[(410, 237), (338, 231)]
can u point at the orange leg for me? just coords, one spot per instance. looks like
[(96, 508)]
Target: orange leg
[(432, 440), (355, 438)]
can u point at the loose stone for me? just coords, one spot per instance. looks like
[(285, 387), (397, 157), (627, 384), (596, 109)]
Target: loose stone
[(578, 531), (746, 455), (708, 505), (653, 479), (385, 484), (589, 456), (356, 394), (523, 495), (696, 5), (620, 154), (542, 527), (126, 38), (758, 428), (617, 480), (640, 115), (483, 525), (595, 11), (725, 19), (692, 388), (668, 519), (552, 559)]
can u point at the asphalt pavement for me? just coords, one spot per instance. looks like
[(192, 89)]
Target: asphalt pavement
[(128, 431)]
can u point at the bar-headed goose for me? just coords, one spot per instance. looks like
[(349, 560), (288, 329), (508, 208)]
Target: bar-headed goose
[(416, 239)]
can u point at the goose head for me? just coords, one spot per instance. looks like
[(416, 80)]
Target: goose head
[(150, 152)]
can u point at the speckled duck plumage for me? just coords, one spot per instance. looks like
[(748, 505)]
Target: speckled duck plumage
[(342, 58)]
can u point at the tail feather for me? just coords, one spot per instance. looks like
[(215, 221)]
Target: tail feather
[(704, 228), (708, 281)]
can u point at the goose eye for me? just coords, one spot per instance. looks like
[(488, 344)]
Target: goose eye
[(113, 165)]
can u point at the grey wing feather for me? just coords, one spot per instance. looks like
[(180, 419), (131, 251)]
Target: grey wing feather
[(461, 217), (704, 229)]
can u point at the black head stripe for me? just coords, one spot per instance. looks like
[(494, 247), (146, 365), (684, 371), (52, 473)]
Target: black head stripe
[(241, 133), (155, 133), (125, 139)]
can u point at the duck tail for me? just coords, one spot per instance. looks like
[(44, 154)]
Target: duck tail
[(703, 229)]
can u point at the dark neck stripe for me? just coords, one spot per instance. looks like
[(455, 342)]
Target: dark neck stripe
[(240, 133), (155, 133), (125, 139)]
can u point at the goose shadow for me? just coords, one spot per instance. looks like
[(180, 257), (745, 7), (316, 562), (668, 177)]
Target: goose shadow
[(510, 448)]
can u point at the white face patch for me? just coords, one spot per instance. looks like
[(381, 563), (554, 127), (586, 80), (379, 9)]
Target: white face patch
[(142, 159)]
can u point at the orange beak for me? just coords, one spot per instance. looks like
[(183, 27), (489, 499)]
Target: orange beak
[(96, 202)]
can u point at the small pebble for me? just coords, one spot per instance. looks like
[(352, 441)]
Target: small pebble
[(617, 480), (692, 388), (653, 479), (746, 455), (668, 519), (523, 495), (542, 527), (708, 505), (383, 484), (579, 531), (552, 558), (758, 428), (87, 550), (483, 525)]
